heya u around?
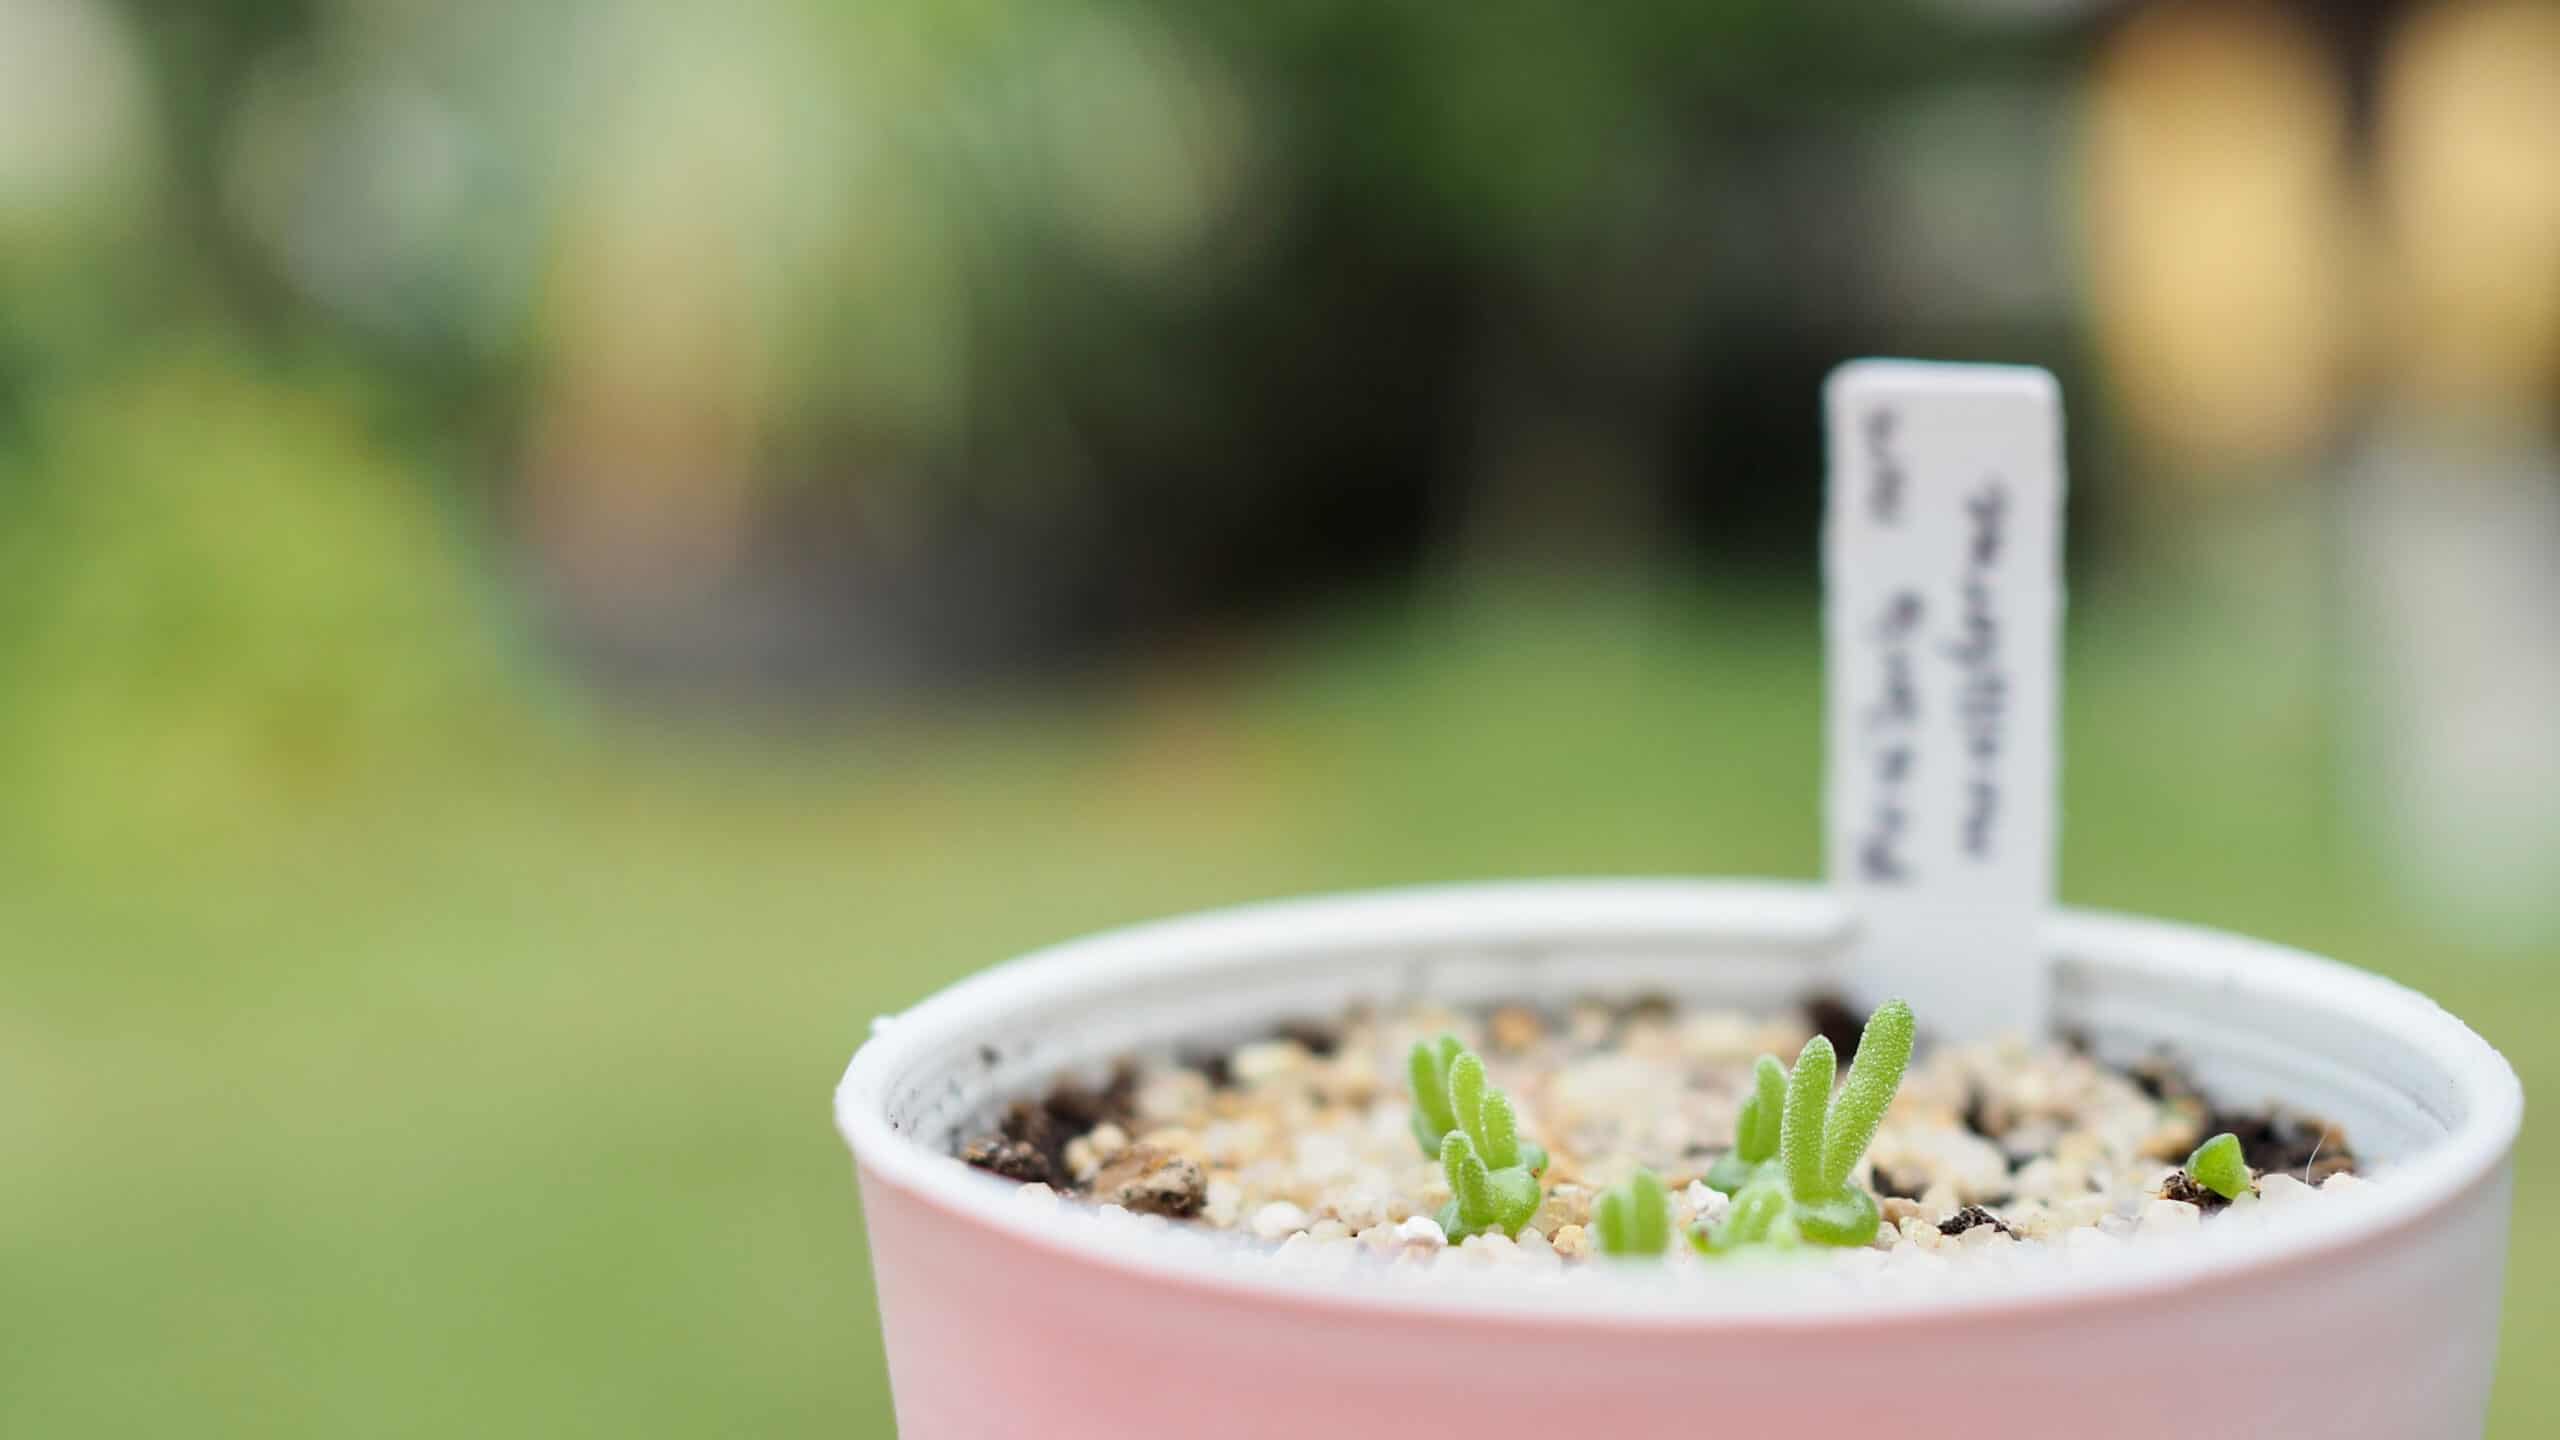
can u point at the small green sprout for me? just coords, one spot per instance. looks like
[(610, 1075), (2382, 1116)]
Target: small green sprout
[(1795, 1143), (2219, 1166), (1755, 1131), (1470, 1125), (1633, 1218), (1428, 1070)]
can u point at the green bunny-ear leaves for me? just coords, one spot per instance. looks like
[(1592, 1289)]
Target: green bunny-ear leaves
[(1633, 1217), (1427, 1069), (1755, 1129), (1884, 1052), (1804, 1194), (1461, 1117)]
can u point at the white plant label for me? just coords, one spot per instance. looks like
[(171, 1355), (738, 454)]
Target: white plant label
[(1943, 600)]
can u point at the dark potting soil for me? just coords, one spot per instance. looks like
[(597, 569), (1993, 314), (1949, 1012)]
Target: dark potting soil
[(2183, 1186), (1320, 1038), (1971, 1216), (1030, 1142), (1836, 1020), (2272, 1137)]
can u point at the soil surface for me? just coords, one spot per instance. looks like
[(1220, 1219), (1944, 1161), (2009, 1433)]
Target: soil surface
[(1301, 1140)]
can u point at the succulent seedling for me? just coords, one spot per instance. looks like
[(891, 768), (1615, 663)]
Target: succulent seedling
[(1428, 1070), (1633, 1217), (2219, 1166), (1796, 1143), (1755, 1130), (1460, 1117)]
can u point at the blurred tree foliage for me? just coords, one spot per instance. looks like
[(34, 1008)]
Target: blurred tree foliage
[(918, 333)]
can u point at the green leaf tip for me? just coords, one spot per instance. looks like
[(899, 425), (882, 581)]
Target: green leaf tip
[(1800, 1133), (1427, 1069), (1796, 1143), (1755, 1129), (1633, 1217), (1470, 1125), (1884, 1052), (2219, 1166)]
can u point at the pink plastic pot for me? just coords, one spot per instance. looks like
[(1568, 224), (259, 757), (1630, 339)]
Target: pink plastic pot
[(2373, 1314)]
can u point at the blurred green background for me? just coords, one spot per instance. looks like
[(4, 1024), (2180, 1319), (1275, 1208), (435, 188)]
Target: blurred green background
[(554, 561)]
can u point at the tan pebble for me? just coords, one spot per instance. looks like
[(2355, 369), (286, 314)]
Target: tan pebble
[(1588, 1024), (1381, 1239), (1424, 1231), (1328, 1230), (1082, 1160), (2341, 1181), (1036, 1195), (1305, 1251), (2038, 1179), (1224, 1203), (1171, 1094), (2079, 1147), (1613, 1084), (1347, 1082), (1565, 1205), (1108, 1140), (1158, 1182), (1324, 1155), (1783, 1035), (1266, 1061), (1178, 1140), (2173, 1135), (1983, 1237), (1277, 1219), (1360, 1209), (1717, 1035), (1572, 1242), (1896, 1209), (2168, 1216), (1940, 1199), (1514, 1028), (1234, 1142), (2089, 1240), (2032, 1220), (2278, 1187), (2079, 1211)]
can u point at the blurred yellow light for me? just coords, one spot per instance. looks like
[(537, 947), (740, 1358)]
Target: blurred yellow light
[(2217, 230), (2470, 171)]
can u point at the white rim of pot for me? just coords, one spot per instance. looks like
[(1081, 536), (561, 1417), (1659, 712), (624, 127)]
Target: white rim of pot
[(1679, 910)]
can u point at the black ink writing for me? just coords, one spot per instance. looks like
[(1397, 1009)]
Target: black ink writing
[(1889, 725), (1884, 469), (1982, 691)]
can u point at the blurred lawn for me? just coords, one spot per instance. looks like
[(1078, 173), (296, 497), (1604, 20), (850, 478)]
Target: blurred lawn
[(495, 1102)]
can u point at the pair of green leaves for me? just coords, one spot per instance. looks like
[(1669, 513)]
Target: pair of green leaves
[(1633, 1217), (1795, 1142), (1462, 1118)]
